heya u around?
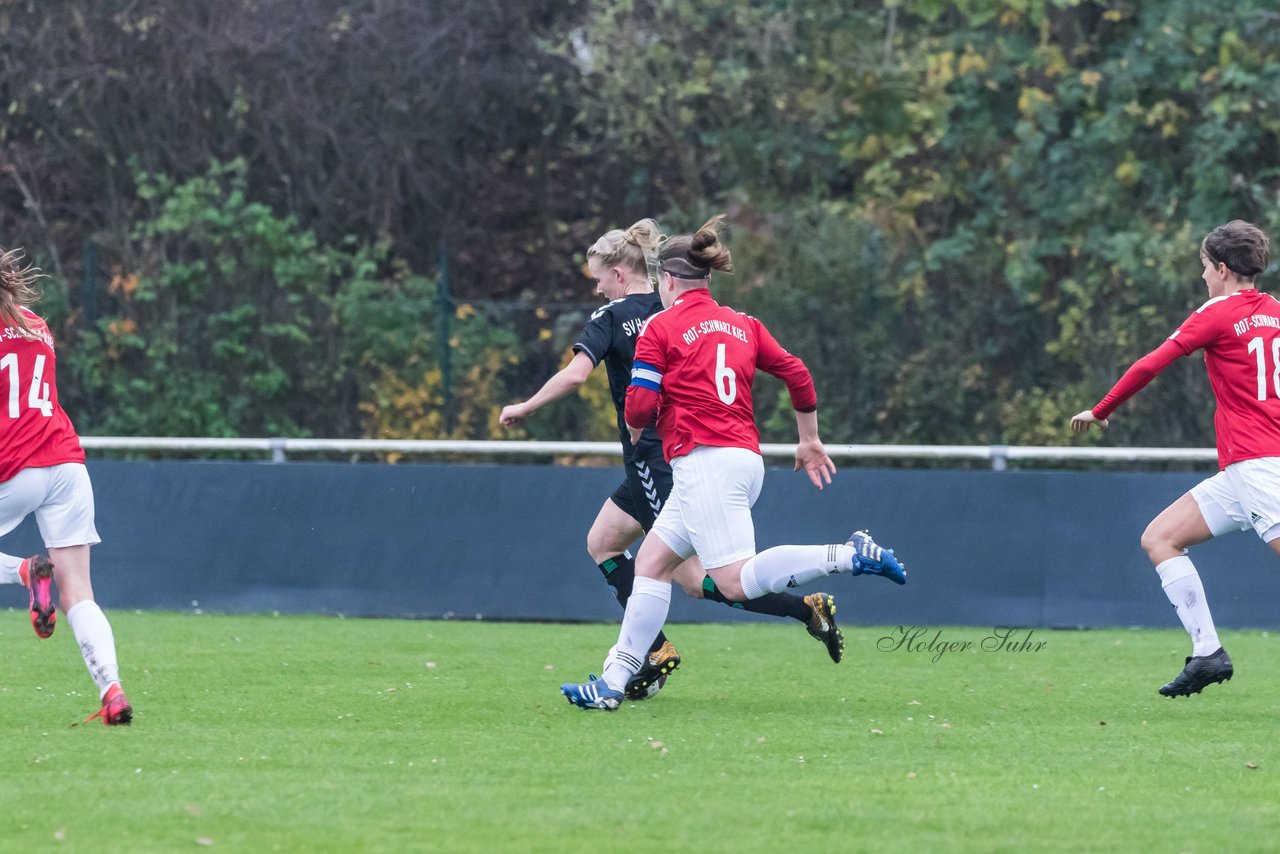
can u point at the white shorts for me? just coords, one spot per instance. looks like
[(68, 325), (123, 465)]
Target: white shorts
[(709, 510), (62, 499), (1244, 495)]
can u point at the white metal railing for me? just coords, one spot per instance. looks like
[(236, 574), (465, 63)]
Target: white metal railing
[(280, 449)]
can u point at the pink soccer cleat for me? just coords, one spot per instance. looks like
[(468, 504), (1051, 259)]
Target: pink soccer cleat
[(36, 573), (115, 710)]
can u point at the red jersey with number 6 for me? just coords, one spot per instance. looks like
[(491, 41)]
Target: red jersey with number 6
[(34, 431), (1240, 336), (694, 366)]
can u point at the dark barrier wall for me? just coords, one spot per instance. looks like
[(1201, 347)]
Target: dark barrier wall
[(983, 548)]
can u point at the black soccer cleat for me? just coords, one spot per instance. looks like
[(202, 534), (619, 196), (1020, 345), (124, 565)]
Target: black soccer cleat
[(822, 624), (1201, 671), (653, 674)]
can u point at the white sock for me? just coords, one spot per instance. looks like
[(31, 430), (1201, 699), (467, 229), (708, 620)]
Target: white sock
[(97, 643), (646, 612), (9, 569), (774, 570), (1182, 585)]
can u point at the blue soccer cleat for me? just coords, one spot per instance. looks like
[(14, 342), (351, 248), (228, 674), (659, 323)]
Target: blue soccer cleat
[(870, 559), (595, 694)]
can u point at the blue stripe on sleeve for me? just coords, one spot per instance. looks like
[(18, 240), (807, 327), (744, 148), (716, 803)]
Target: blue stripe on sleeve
[(646, 376)]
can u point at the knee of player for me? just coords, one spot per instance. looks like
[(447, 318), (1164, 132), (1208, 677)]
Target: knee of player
[(1161, 544), (690, 587), (598, 553), (730, 589), (1152, 539), (598, 545)]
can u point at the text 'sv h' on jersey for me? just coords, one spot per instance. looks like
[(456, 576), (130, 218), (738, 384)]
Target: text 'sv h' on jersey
[(609, 336)]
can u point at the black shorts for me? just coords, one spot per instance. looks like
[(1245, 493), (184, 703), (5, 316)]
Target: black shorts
[(646, 487)]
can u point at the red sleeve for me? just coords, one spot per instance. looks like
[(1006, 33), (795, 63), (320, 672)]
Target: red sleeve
[(1201, 328), (1139, 374), (641, 408), (773, 359)]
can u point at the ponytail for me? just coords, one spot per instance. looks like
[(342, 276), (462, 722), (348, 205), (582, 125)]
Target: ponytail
[(694, 256), (635, 248), (706, 250), (16, 291)]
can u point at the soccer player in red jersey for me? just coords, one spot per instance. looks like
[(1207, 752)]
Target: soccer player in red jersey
[(693, 372), (624, 265), (42, 471), (1239, 331)]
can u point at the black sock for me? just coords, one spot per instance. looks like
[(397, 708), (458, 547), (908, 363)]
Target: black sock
[(775, 604), (620, 574)]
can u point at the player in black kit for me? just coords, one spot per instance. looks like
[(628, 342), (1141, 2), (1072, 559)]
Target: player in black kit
[(623, 266)]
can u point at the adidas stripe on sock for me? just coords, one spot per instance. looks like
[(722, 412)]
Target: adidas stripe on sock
[(774, 570)]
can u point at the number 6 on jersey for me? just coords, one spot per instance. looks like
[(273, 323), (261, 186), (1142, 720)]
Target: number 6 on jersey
[(726, 379)]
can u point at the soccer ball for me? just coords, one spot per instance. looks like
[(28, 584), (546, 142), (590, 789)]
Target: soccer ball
[(654, 688), (650, 691)]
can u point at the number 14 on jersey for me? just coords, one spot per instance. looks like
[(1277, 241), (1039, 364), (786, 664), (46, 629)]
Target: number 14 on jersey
[(37, 393)]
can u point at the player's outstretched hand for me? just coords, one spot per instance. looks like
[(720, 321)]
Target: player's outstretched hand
[(1082, 421), (511, 414), (812, 457)]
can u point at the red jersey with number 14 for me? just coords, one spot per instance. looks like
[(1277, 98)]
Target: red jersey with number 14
[(694, 366), (34, 431), (1240, 336)]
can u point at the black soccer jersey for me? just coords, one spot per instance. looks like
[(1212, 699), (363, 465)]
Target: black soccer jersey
[(610, 336)]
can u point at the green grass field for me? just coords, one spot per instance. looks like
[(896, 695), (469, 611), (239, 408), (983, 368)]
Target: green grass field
[(319, 734)]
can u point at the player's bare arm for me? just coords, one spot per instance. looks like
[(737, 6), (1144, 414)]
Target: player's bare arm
[(562, 384), (811, 455)]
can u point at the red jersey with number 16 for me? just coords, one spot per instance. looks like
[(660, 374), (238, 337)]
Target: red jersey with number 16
[(34, 431), (1240, 336), (694, 366)]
